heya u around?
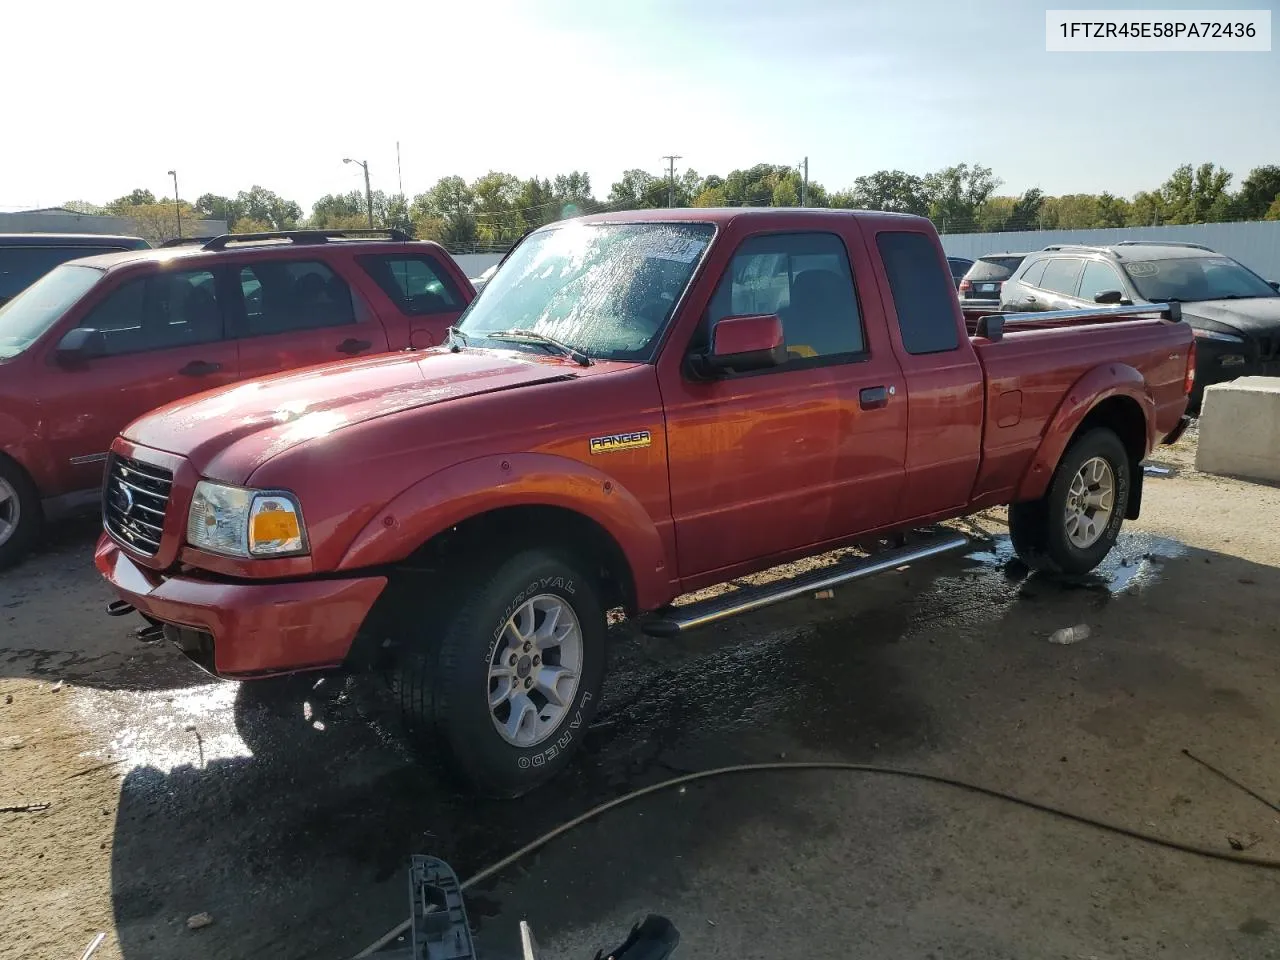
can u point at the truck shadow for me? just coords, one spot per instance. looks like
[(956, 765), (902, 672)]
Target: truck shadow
[(293, 829)]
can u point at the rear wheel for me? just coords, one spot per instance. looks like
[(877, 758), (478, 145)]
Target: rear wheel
[(1075, 524), (503, 687), (20, 515)]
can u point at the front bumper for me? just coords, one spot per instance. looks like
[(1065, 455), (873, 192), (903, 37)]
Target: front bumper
[(246, 629)]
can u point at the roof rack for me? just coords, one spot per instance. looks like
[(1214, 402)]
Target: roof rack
[(184, 241), (1075, 246), (306, 237), (1163, 243)]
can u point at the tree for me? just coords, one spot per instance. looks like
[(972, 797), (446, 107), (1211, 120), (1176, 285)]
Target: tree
[(259, 203), (1273, 211), (396, 215), (1190, 194), (211, 206), (446, 213), (638, 190), (340, 210), (956, 193), (995, 214), (1026, 211), (158, 222), (573, 192), (1258, 192), (1146, 210), (84, 207), (891, 190), (497, 218), (1112, 211), (135, 198)]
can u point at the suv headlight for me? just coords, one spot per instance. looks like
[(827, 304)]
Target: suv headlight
[(237, 522)]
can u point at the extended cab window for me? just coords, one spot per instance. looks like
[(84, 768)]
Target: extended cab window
[(283, 295), (163, 310), (923, 296), (417, 285), (1060, 275), (802, 277), (1097, 278)]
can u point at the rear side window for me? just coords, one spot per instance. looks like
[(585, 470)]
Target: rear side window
[(1060, 275), (1035, 273), (923, 295), (418, 285), (994, 268), (282, 295), (172, 309), (802, 277), (22, 266)]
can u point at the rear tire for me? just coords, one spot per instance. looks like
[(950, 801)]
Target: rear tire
[(504, 692), (1075, 524), (21, 517)]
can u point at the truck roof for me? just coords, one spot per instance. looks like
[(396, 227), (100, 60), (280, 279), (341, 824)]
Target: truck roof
[(106, 261), (722, 216)]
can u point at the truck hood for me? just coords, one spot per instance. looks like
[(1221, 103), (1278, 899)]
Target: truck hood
[(264, 417), (1257, 315)]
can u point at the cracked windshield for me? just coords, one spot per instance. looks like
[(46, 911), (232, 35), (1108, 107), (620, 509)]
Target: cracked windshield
[(646, 480)]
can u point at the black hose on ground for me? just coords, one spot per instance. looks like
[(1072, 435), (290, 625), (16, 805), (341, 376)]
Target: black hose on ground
[(1119, 829)]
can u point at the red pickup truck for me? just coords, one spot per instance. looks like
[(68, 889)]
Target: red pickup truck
[(100, 340), (636, 406)]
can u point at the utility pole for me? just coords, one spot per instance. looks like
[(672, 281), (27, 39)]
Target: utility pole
[(368, 194), (399, 177), (177, 204), (671, 178), (804, 187)]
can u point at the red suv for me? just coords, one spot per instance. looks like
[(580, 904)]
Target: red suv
[(99, 341)]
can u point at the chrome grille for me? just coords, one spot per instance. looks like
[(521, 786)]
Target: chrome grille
[(134, 498)]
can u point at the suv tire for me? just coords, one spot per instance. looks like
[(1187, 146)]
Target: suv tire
[(505, 690), (21, 516), (1075, 524)]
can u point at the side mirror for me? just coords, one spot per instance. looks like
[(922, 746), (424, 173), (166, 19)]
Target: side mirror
[(752, 342), (79, 345), (1109, 296)]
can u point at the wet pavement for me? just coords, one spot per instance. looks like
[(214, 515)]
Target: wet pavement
[(289, 815)]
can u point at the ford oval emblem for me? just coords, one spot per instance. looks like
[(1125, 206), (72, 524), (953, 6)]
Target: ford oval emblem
[(124, 499)]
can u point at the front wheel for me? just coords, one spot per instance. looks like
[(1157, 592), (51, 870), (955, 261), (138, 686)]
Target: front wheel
[(506, 688), (1075, 524), (20, 514)]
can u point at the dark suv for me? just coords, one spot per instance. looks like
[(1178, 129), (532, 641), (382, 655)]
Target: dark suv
[(1234, 313), (26, 257), (986, 277)]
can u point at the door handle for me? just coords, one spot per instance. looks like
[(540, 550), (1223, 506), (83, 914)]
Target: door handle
[(873, 398), (1029, 300), (352, 345), (200, 368)]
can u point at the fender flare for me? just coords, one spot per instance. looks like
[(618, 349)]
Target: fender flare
[(468, 489), (1101, 383)]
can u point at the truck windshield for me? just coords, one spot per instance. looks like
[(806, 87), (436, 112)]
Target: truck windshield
[(24, 318), (605, 289), (1195, 278)]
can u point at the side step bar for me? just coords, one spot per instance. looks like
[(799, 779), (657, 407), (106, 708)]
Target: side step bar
[(677, 620)]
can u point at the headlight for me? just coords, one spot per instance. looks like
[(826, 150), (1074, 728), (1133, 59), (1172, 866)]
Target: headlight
[(1214, 335), (237, 522)]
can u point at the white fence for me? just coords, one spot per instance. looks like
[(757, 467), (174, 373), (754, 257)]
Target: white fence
[(1256, 245)]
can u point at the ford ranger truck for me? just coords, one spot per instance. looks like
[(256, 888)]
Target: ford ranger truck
[(636, 406)]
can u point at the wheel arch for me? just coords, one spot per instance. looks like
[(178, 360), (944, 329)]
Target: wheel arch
[(1114, 396)]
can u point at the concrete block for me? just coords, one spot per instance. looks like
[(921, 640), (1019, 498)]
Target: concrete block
[(1240, 429)]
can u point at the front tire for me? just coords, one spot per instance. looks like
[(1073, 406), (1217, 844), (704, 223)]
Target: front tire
[(21, 516), (1075, 524), (506, 689)]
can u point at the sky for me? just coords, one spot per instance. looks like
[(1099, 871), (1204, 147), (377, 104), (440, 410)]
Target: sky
[(105, 97)]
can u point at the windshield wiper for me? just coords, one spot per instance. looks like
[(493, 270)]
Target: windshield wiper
[(532, 336), (456, 336)]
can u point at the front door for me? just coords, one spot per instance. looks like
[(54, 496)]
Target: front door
[(295, 313), (795, 455), (164, 338)]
